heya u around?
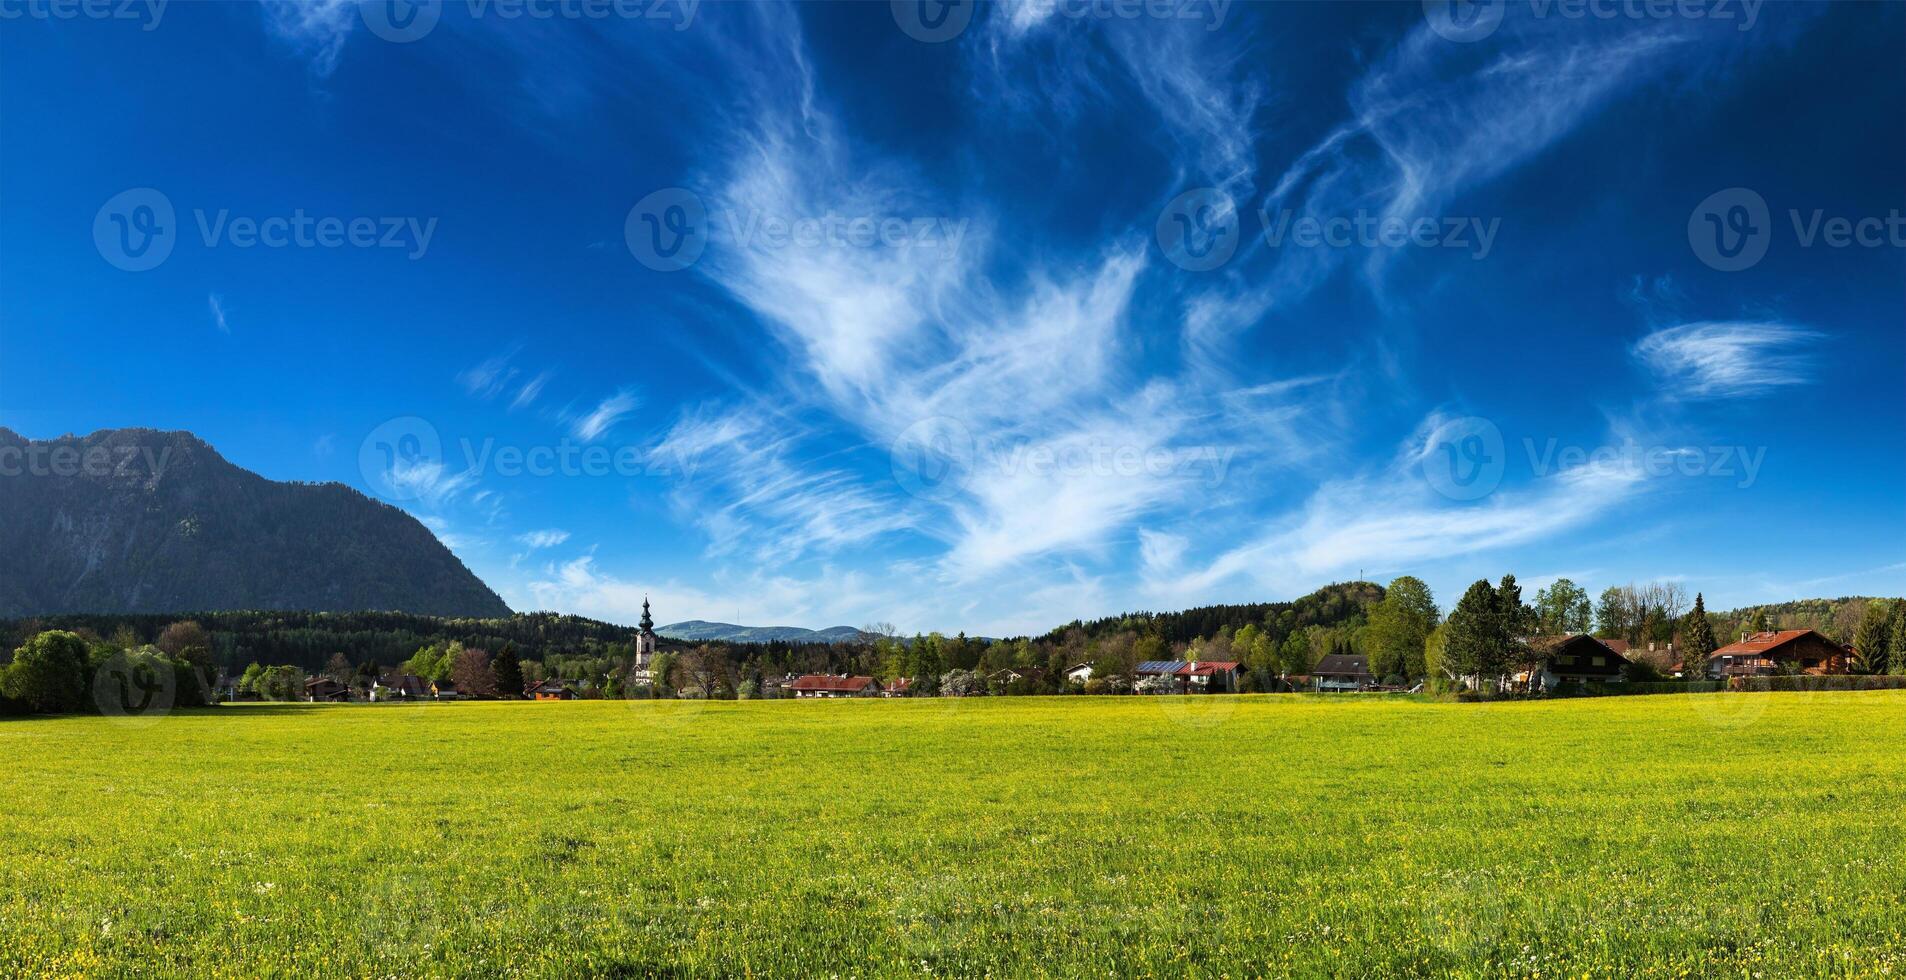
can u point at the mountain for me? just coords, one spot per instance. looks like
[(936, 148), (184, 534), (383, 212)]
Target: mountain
[(138, 521), (699, 631)]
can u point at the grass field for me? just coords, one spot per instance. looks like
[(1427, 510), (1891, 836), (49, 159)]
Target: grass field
[(1743, 835)]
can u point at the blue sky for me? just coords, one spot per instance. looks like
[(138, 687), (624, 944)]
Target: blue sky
[(821, 315)]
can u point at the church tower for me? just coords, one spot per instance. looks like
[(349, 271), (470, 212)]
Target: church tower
[(645, 638)]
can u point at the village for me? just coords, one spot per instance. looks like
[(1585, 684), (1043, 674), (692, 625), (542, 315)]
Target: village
[(1558, 663)]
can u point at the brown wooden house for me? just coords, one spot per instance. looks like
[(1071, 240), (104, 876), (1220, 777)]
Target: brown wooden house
[(1572, 658), (1762, 654)]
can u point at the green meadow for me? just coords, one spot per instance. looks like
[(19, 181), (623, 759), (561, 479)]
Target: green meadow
[(1689, 835)]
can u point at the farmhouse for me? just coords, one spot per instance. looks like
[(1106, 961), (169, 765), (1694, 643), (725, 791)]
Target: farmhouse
[(1759, 654), (900, 687), (1569, 658), (1079, 673), (399, 687), (325, 689), (1007, 675), (1342, 672), (552, 690), (834, 686), (1193, 676), (445, 691)]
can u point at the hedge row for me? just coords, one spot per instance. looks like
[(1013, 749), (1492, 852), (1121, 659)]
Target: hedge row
[(1810, 682)]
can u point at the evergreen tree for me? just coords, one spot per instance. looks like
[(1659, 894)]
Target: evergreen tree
[(509, 672), (1698, 635), (1758, 622), (1872, 639), (1472, 644), (1896, 629)]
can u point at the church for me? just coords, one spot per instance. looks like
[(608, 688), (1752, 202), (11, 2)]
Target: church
[(644, 646)]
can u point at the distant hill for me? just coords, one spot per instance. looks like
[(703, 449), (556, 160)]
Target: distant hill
[(1836, 618), (702, 631), (140, 521), (1332, 605)]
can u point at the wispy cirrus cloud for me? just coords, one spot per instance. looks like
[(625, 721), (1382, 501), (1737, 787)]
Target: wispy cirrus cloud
[(1042, 362), (1728, 359), (489, 378), (1394, 519), (548, 538), (217, 305), (315, 29), (531, 390), (605, 415)]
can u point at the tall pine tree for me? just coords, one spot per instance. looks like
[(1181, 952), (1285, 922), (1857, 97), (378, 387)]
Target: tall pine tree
[(509, 672), (1472, 644), (1872, 639), (1698, 634), (1896, 650)]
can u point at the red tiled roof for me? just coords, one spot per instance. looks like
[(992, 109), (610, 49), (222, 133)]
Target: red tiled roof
[(1205, 668), (1761, 643), (1619, 646), (830, 682), (901, 685)]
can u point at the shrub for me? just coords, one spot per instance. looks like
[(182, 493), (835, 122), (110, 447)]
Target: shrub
[(1811, 682), (48, 674)]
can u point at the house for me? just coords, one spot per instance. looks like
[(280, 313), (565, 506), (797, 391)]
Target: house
[(1760, 654), (320, 689), (834, 686), (399, 687), (445, 691), (1078, 673), (1192, 676), (1342, 672), (551, 690), (1007, 675), (900, 688), (1569, 658)]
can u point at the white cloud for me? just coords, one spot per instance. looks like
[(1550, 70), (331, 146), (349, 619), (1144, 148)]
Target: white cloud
[(316, 29), (1395, 520), (488, 379), (217, 304), (1727, 360), (611, 410), (530, 390), (549, 538)]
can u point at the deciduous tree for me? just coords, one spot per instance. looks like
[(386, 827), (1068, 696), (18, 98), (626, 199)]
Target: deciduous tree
[(1399, 626), (473, 675)]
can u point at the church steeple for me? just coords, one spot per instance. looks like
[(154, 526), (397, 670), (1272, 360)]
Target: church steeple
[(645, 639)]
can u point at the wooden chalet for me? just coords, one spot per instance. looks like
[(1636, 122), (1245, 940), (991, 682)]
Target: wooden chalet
[(1342, 672), (551, 690), (1569, 658), (1763, 654), (324, 689)]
